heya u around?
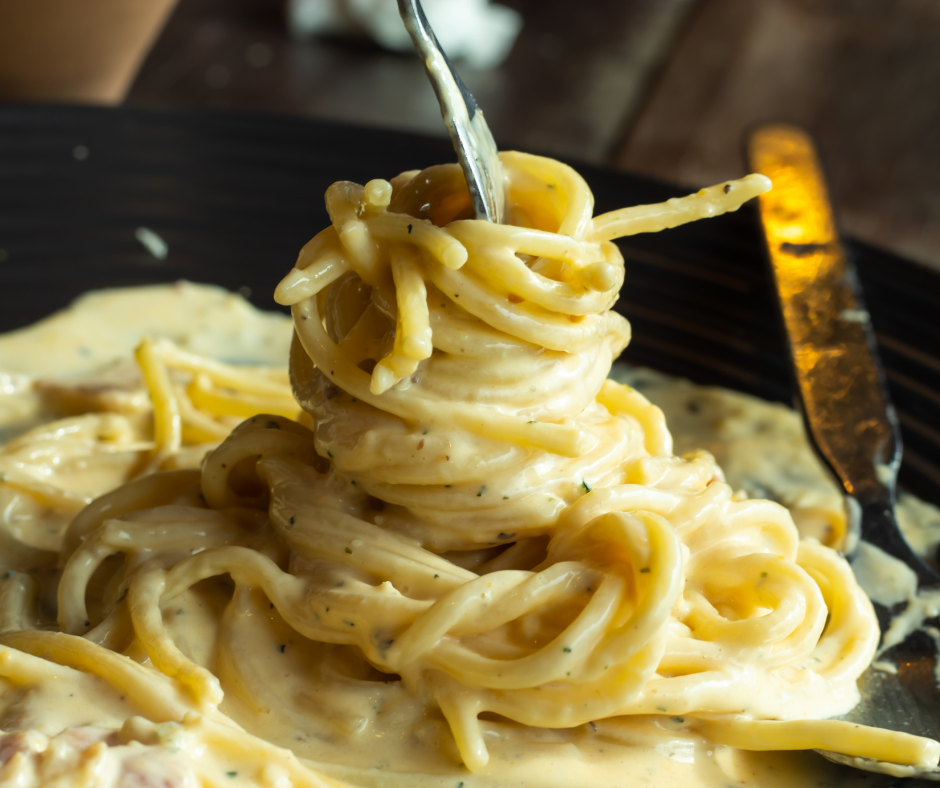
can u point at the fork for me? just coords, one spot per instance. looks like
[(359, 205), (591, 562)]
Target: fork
[(471, 137)]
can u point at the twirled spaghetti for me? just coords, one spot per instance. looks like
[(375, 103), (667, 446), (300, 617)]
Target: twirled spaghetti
[(470, 530)]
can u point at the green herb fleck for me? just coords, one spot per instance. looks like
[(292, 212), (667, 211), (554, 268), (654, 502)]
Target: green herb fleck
[(678, 720), (282, 648), (179, 612), (329, 454), (481, 490), (272, 425), (349, 623), (586, 486), (532, 422), (231, 774), (409, 229), (292, 520), (436, 576), (645, 570), (567, 649), (348, 551), (763, 574)]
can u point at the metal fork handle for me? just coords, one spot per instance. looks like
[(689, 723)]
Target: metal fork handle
[(471, 137)]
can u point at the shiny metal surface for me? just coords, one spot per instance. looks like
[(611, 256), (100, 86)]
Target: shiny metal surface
[(849, 417), (465, 123)]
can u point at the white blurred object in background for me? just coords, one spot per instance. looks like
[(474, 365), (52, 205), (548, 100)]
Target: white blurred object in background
[(475, 31)]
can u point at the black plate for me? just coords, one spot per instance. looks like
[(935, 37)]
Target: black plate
[(235, 196)]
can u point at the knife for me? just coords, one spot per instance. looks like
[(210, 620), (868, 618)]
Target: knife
[(840, 383)]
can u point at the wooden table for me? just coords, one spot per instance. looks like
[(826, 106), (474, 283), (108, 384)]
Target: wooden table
[(663, 87)]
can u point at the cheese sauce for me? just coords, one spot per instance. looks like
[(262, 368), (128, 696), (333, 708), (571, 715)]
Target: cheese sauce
[(75, 728)]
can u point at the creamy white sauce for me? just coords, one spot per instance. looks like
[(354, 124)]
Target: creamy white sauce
[(82, 724)]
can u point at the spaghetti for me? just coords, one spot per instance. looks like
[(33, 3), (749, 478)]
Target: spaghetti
[(468, 530)]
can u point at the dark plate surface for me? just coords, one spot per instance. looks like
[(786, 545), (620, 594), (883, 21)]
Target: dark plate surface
[(236, 196)]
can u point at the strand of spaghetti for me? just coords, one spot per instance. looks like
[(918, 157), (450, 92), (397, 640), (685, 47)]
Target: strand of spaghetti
[(167, 425), (198, 427), (204, 396), (155, 694), (414, 328), (558, 183), (526, 240), (848, 646), (144, 602), (260, 381), (554, 438), (618, 398), (344, 204), (302, 283), (530, 323), (22, 668), (712, 201), (49, 494), (403, 229), (143, 493), (72, 616), (550, 663), (499, 266), (412, 342), (847, 738)]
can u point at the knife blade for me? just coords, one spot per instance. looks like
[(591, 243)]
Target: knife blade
[(840, 383)]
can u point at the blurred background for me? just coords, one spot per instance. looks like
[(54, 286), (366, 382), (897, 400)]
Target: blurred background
[(665, 88)]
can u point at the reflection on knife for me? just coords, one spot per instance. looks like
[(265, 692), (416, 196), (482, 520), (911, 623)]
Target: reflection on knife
[(839, 379)]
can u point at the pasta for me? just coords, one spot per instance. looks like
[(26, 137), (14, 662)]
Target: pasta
[(452, 528)]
